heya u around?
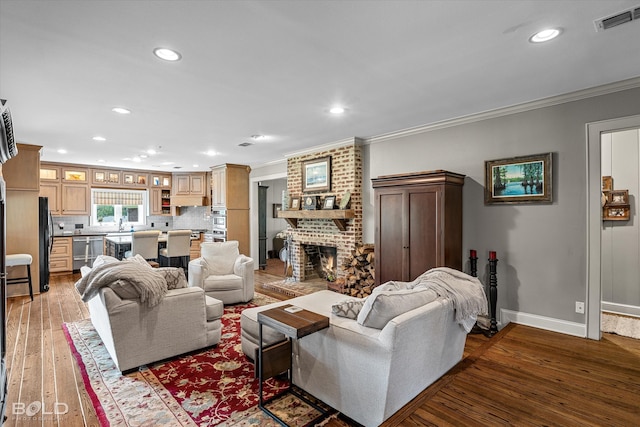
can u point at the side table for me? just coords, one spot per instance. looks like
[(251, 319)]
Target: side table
[(277, 358)]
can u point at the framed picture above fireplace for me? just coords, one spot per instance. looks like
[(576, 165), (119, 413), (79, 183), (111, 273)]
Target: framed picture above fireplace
[(316, 174)]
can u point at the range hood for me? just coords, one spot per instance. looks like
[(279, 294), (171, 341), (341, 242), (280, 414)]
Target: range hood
[(188, 201)]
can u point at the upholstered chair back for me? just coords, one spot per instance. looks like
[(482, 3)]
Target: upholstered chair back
[(220, 256), (178, 243), (145, 243)]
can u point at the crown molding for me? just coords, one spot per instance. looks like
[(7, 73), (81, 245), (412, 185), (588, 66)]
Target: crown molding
[(341, 143), (514, 109)]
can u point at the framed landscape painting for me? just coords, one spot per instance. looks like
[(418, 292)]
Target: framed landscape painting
[(316, 174), (525, 179)]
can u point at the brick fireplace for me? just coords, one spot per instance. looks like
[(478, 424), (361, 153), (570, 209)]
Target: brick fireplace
[(346, 175)]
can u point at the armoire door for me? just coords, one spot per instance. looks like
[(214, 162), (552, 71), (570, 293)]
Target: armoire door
[(423, 231)]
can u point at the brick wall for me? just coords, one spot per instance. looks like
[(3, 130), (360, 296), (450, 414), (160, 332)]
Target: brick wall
[(346, 175)]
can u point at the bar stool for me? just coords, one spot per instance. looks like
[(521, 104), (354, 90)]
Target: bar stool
[(144, 243), (15, 260), (178, 246)]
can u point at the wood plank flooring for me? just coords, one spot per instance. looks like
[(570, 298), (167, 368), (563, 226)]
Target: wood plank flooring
[(521, 376)]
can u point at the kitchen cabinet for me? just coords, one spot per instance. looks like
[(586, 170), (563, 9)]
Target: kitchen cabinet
[(418, 224), (61, 259), (230, 193), (76, 175), (76, 199), (106, 178), (52, 192), (160, 201), (230, 186), (194, 249), (22, 176), (161, 181), (193, 184), (135, 179)]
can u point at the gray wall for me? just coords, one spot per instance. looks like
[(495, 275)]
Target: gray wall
[(542, 249)]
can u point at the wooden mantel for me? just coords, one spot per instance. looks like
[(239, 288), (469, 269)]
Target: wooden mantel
[(339, 216)]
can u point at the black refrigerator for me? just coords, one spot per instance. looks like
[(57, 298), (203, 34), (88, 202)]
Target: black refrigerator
[(3, 295), (45, 226)]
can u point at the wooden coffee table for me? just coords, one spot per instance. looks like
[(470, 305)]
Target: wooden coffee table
[(277, 358)]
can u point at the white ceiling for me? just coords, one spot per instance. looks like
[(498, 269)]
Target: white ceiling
[(275, 67)]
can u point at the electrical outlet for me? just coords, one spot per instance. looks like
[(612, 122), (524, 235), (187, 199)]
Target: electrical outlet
[(579, 307)]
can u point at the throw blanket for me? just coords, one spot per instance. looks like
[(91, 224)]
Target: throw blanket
[(150, 285), (466, 292)]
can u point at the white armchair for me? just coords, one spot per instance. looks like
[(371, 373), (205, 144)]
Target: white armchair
[(223, 272)]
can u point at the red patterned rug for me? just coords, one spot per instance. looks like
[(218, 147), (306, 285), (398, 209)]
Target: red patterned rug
[(207, 388)]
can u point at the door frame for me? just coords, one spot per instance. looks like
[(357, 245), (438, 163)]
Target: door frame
[(594, 216)]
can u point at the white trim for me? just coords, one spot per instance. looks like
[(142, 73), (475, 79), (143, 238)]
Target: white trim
[(543, 322), (594, 217), (505, 111), (326, 147), (625, 309)]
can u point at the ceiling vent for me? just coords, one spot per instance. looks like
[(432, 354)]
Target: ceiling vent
[(619, 18), (244, 144)]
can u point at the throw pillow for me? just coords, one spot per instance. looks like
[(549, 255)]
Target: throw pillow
[(383, 306), (174, 276), (124, 289), (349, 308)]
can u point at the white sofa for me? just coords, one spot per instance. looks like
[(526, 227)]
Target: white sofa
[(136, 334), (366, 373)]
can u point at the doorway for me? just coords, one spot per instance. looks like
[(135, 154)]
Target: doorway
[(595, 132)]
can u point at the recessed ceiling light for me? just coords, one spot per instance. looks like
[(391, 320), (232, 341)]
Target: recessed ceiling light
[(143, 156), (100, 160), (62, 151), (167, 54), (151, 151), (195, 166), (121, 110), (210, 153), (545, 35), (99, 138), (336, 110)]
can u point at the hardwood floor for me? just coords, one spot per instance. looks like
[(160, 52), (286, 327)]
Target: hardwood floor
[(522, 376)]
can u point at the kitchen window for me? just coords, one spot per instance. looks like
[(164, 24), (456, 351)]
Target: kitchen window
[(124, 208)]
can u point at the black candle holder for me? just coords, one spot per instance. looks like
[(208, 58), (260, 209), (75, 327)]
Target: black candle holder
[(493, 294), (473, 266)]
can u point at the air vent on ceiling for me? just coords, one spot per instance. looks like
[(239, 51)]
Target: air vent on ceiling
[(244, 144), (619, 18)]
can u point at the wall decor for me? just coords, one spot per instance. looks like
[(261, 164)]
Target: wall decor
[(346, 198), (316, 174), (616, 213), (618, 197), (525, 179), (607, 183), (311, 202), (277, 207), (295, 204), (329, 202)]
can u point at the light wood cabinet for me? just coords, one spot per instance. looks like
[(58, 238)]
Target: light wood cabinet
[(61, 259), (75, 175), (160, 201), (106, 178), (230, 186), (193, 184), (76, 199), (22, 176), (418, 224), (160, 180), (51, 190), (194, 249), (230, 192)]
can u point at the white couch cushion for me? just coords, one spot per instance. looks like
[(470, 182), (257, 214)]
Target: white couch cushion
[(349, 308), (382, 306), (220, 257)]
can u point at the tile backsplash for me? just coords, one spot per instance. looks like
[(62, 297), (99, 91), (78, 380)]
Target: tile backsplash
[(193, 218)]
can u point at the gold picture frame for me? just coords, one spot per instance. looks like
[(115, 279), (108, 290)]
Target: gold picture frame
[(525, 179)]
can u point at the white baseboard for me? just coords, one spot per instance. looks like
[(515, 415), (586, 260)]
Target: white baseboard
[(542, 322), (629, 310)]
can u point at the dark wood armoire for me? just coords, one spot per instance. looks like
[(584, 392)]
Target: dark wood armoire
[(418, 224)]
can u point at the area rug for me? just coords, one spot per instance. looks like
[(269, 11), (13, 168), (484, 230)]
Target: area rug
[(626, 326), (296, 289), (207, 388)]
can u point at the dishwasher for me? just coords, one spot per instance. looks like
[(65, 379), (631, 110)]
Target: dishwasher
[(85, 250)]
